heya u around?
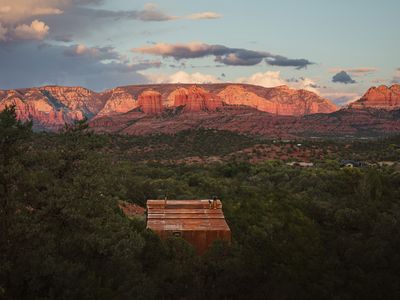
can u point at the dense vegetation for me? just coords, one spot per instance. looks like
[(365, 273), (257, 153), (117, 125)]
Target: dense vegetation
[(317, 233)]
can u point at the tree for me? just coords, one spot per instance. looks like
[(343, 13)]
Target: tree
[(13, 136)]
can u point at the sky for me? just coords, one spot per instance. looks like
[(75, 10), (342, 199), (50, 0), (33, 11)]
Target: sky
[(337, 49)]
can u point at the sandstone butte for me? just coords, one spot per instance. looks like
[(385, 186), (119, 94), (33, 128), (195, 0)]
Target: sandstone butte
[(197, 99), (381, 97), (150, 102)]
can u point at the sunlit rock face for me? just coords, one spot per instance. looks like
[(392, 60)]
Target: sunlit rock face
[(150, 102), (74, 98), (197, 99), (280, 100), (381, 97), (118, 101), (42, 108)]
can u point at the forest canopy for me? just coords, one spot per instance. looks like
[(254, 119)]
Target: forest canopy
[(298, 233)]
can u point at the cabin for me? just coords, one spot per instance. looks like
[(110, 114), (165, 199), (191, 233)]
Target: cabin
[(352, 164), (199, 222)]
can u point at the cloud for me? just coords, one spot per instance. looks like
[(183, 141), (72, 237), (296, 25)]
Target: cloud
[(66, 38), (100, 53), (14, 12), (151, 13), (3, 33), (182, 51), (75, 19), (182, 77), (267, 79), (51, 65), (20, 18), (282, 61), (343, 77), (204, 15), (222, 54), (273, 78), (242, 57), (355, 71), (37, 30)]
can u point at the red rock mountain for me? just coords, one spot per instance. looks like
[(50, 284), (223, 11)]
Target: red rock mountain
[(381, 97), (169, 108), (50, 107)]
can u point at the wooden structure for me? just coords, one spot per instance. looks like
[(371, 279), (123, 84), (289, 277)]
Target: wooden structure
[(200, 222)]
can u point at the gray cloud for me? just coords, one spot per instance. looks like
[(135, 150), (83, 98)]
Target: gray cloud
[(282, 61), (241, 57), (222, 54), (99, 53), (19, 60), (343, 77), (148, 14), (66, 38)]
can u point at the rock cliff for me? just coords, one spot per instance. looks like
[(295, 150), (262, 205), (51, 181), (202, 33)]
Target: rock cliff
[(118, 101), (196, 99), (280, 100), (381, 97), (150, 102)]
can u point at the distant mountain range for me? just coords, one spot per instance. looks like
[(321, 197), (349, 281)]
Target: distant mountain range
[(168, 108)]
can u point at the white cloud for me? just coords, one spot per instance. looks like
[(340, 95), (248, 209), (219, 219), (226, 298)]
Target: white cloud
[(267, 79), (204, 15), (273, 79), (37, 30), (182, 77)]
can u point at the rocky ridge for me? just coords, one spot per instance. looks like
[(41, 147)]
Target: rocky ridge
[(381, 97), (168, 108)]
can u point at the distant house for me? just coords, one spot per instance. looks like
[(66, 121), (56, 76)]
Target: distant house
[(301, 164), (199, 222), (352, 164)]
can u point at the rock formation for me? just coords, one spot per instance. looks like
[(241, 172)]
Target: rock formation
[(196, 99), (74, 98), (150, 102), (280, 100), (32, 104), (50, 107), (118, 101), (381, 97)]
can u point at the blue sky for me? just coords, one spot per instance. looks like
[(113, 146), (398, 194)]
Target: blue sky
[(103, 44)]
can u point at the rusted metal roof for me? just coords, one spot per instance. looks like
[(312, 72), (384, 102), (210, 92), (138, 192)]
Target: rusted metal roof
[(194, 220)]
